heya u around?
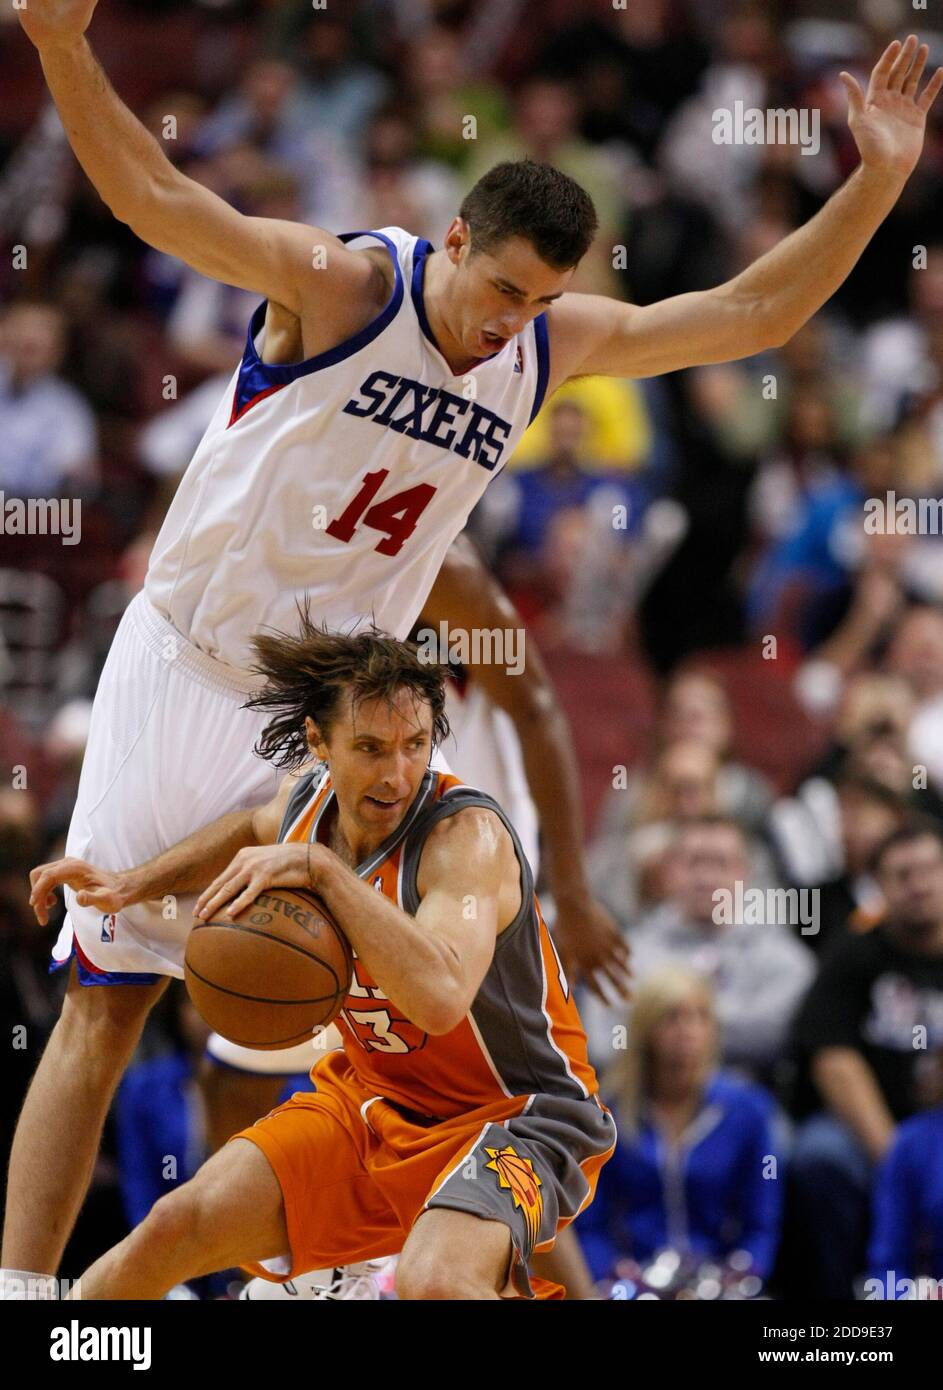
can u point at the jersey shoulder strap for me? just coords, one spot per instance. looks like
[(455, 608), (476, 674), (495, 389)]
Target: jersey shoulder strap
[(301, 796), (455, 799)]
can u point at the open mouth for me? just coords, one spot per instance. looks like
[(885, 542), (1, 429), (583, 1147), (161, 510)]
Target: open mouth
[(492, 342), (384, 805)]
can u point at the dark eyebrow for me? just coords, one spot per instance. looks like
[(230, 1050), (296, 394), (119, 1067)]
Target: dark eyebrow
[(506, 284)]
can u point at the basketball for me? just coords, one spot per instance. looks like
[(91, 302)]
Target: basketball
[(271, 976)]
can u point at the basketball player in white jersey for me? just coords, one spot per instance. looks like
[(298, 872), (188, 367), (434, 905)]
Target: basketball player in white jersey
[(344, 476)]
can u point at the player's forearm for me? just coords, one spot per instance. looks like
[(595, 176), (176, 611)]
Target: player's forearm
[(553, 779), (848, 1086), (412, 968), (793, 280), (189, 866), (122, 158)]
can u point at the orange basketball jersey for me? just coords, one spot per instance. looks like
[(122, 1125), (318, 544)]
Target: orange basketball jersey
[(522, 1035)]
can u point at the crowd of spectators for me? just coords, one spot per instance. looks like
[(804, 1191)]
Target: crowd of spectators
[(777, 1079)]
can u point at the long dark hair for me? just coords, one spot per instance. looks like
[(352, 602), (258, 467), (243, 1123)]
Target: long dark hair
[(313, 673)]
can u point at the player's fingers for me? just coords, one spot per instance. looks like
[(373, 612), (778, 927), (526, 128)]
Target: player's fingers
[(247, 897), (882, 68), (44, 884), (217, 896), (931, 91), (619, 948), (901, 64), (620, 980), (102, 897), (211, 892), (912, 80), (855, 94), (593, 981)]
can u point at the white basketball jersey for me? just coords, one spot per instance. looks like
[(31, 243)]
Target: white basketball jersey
[(486, 753), (345, 477)]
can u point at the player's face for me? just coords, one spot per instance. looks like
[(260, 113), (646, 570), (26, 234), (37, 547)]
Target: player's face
[(378, 754), (498, 293)]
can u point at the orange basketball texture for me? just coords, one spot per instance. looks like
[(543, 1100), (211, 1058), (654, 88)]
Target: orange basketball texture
[(271, 976)]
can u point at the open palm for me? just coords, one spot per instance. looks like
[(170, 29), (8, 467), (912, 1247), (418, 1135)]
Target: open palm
[(888, 122)]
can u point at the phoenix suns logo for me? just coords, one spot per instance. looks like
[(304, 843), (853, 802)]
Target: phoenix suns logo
[(517, 1174)]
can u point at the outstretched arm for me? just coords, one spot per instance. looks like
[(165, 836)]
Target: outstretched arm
[(185, 868), (767, 303), (161, 205)]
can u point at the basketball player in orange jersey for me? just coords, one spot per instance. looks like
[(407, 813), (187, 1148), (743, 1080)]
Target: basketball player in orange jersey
[(375, 431), (462, 1121)]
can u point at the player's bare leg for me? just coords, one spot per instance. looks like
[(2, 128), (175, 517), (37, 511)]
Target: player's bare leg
[(231, 1213), (60, 1126), (565, 1265), (451, 1255), (233, 1100)]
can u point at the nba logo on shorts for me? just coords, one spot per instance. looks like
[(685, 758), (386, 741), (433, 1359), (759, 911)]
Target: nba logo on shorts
[(108, 927), (378, 883)]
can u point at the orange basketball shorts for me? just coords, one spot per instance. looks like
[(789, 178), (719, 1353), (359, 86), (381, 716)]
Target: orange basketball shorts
[(356, 1172)]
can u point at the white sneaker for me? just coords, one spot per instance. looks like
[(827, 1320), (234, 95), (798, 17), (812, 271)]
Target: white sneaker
[(356, 1281)]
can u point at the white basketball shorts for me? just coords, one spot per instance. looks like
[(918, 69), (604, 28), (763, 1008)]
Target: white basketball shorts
[(169, 750)]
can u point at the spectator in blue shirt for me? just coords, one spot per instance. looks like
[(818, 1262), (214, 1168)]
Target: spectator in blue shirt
[(907, 1210), (696, 1169)]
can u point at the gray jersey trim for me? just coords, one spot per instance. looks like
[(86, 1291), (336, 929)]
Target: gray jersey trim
[(303, 793), (308, 788)]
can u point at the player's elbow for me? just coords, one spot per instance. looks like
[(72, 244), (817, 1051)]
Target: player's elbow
[(444, 1006), (776, 335), (441, 1013), (757, 323)]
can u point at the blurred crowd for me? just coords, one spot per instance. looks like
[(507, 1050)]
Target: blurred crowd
[(690, 552)]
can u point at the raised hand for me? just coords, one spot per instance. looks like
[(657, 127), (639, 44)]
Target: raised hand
[(592, 949), (888, 123), (55, 21)]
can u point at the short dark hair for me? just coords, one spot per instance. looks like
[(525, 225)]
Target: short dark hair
[(312, 672), (712, 820), (524, 198), (915, 828)]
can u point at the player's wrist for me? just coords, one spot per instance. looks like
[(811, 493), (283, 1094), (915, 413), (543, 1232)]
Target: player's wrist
[(882, 180), (573, 898), (130, 887)]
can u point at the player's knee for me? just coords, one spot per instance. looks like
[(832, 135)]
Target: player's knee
[(430, 1275), (173, 1222), (102, 1023)]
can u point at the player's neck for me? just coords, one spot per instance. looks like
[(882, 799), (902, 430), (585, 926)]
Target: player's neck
[(436, 286), (350, 845)]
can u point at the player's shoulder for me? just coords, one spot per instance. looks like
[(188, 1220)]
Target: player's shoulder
[(576, 326), (294, 790), (469, 835)]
